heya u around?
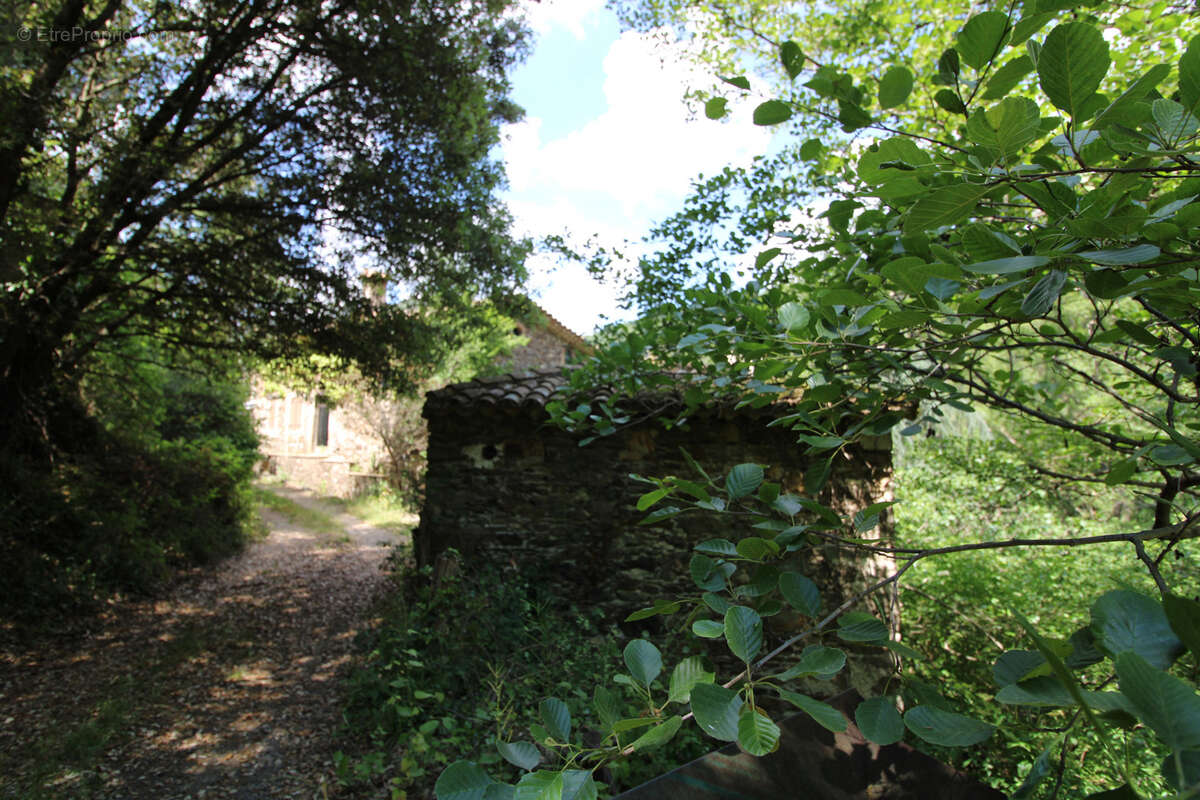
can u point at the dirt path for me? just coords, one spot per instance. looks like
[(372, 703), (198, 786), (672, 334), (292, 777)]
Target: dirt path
[(228, 688)]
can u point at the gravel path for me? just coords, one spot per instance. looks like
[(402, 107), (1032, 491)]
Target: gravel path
[(228, 688)]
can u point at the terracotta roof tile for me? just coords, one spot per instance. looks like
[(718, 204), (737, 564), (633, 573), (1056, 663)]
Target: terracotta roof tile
[(531, 390)]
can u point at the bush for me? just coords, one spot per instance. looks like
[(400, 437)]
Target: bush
[(122, 509), (454, 660)]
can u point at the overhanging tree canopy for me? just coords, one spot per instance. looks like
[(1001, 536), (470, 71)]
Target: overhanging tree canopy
[(206, 174)]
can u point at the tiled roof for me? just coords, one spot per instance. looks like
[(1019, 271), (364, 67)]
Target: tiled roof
[(564, 333), (532, 390)]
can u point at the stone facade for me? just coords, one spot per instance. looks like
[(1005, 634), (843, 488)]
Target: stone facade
[(340, 450), (505, 485)]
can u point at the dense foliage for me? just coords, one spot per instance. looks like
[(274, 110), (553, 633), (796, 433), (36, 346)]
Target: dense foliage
[(191, 186), (1001, 214)]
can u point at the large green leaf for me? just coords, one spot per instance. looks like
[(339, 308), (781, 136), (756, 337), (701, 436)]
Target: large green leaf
[(826, 715), (858, 626), (1073, 62), (716, 710), (521, 754), (606, 706), (982, 38), (801, 593), (792, 58), (1007, 266), (643, 660), (1044, 294), (772, 112), (556, 717), (578, 784), (462, 780), (1183, 615), (945, 728), (947, 206), (658, 735), (819, 660), (743, 480), (743, 632), (758, 735), (1005, 79), (1006, 127), (879, 720), (706, 573), (1187, 762), (894, 87), (1125, 621), (540, 785), (1015, 665), (1037, 773), (1170, 707), (687, 673), (1189, 75)]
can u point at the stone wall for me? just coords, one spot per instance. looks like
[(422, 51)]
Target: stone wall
[(505, 485), (542, 350)]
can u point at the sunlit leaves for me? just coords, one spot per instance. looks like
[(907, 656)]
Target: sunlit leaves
[(982, 37), (947, 206), (772, 112), (687, 674), (895, 86), (1073, 61)]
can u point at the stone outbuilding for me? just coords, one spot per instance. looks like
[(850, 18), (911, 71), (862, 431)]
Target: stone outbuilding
[(505, 484)]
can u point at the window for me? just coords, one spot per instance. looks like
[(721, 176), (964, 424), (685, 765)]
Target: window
[(322, 436)]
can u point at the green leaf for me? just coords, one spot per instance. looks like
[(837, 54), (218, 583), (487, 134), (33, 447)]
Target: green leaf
[(823, 662), (792, 58), (708, 628), (879, 720), (894, 87), (462, 780), (757, 734), (1122, 792), (755, 548), (811, 149), (1121, 472), (687, 673), (946, 728), (717, 547), (540, 785), (1037, 773), (1138, 333), (1015, 665), (643, 660), (1007, 266), (739, 81), (1125, 621), (1166, 704), (949, 100), (743, 632), (520, 754), (772, 112), (1007, 126), (765, 256), (557, 718), (982, 38), (706, 573), (1189, 75), (793, 316), (826, 715), (1118, 258), (500, 791), (1005, 79), (578, 784), (606, 706), (1124, 108), (1183, 615), (650, 498), (743, 480), (1073, 61), (1189, 762), (714, 107), (801, 593), (947, 206), (716, 710), (1044, 294), (858, 626), (658, 735)]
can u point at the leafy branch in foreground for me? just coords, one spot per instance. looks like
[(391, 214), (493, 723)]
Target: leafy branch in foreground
[(1015, 228)]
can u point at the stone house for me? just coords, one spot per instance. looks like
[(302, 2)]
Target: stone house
[(504, 484), (340, 450)]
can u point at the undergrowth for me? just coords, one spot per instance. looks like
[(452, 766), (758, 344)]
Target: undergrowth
[(456, 663)]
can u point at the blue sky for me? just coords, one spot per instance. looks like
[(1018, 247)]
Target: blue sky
[(607, 145)]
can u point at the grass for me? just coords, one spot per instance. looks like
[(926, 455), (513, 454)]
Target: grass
[(382, 509), (303, 516)]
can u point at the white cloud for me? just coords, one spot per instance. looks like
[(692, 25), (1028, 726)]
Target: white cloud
[(570, 14), (644, 150)]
